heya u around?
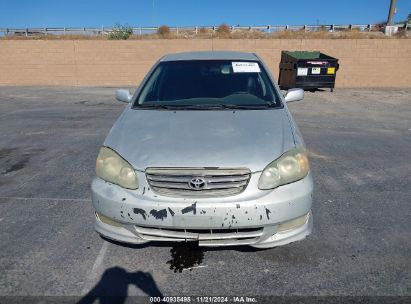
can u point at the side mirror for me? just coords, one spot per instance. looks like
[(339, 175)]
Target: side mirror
[(123, 95), (294, 95)]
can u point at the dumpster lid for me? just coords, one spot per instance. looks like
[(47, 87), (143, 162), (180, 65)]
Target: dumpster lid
[(307, 55)]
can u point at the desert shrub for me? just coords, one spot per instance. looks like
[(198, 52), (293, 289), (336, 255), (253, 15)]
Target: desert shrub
[(402, 33), (120, 32), (247, 34), (379, 27), (163, 31), (203, 31), (224, 30)]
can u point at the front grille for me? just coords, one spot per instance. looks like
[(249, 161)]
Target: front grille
[(175, 182), (206, 237)]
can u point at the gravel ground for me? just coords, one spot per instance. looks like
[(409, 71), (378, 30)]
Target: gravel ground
[(359, 141)]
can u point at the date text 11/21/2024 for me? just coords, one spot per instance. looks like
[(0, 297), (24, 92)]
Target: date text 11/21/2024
[(203, 299)]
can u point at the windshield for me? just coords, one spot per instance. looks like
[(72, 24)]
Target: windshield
[(213, 84)]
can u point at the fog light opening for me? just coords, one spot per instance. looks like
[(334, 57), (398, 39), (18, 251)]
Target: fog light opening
[(293, 224), (106, 220)]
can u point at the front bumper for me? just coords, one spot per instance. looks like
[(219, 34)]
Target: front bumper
[(250, 218)]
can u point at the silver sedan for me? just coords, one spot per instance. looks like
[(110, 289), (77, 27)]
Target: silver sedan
[(207, 151)]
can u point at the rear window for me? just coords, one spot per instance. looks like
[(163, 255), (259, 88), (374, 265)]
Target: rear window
[(209, 82)]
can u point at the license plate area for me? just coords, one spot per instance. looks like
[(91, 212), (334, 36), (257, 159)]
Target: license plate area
[(196, 221)]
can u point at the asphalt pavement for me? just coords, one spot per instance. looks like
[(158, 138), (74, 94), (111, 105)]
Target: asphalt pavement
[(359, 142)]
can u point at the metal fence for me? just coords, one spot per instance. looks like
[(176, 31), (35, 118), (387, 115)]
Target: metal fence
[(194, 29)]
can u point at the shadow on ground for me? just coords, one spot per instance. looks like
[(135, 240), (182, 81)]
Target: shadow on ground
[(114, 283)]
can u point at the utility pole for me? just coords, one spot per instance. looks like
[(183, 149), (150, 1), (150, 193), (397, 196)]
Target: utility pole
[(391, 12)]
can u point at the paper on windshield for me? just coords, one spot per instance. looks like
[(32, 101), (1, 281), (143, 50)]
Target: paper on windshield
[(246, 67)]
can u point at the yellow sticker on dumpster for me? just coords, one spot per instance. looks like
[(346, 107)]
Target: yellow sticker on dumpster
[(330, 70)]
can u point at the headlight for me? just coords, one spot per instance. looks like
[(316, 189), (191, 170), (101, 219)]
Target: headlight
[(290, 167), (114, 169)]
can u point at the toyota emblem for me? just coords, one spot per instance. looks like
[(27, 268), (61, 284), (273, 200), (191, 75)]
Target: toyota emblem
[(197, 183)]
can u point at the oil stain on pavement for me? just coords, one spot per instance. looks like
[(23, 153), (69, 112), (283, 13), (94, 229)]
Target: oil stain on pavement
[(185, 255)]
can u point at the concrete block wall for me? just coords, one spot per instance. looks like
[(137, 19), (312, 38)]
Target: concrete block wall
[(363, 62)]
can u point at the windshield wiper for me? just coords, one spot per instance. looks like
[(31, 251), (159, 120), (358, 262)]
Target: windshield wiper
[(156, 106), (202, 107), (181, 106), (205, 107), (225, 107), (248, 107)]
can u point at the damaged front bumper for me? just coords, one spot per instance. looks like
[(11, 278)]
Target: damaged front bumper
[(257, 218)]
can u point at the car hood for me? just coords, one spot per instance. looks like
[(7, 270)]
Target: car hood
[(221, 138)]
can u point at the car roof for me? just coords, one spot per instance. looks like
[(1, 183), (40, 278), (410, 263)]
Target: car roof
[(210, 55)]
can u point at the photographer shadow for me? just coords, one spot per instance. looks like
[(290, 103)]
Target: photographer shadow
[(113, 286)]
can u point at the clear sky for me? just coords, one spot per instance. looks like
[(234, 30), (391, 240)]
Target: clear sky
[(93, 13)]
